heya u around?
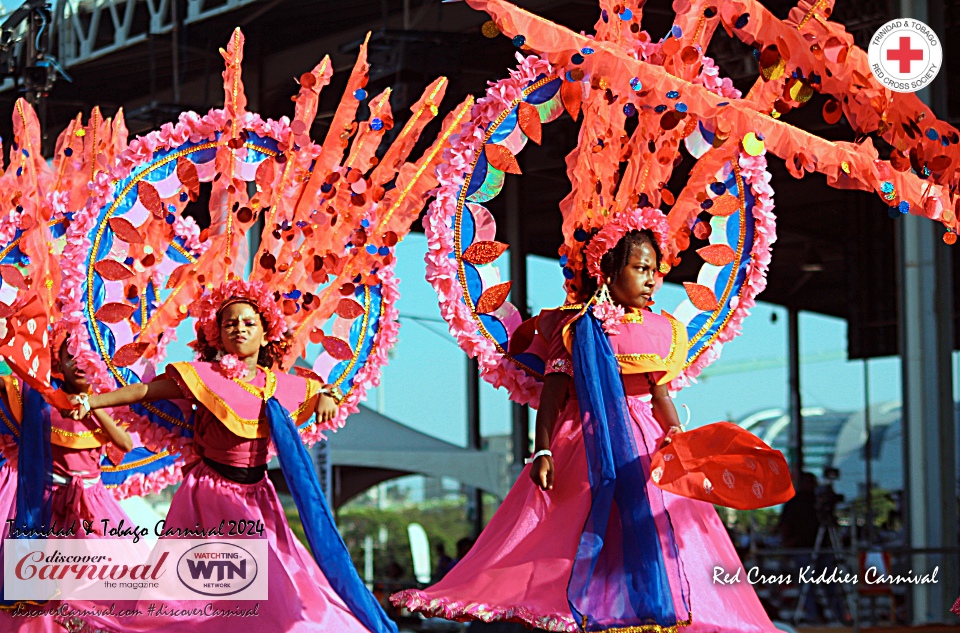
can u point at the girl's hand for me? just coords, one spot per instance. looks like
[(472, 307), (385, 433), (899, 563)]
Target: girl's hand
[(326, 408), (541, 472), (673, 430), (81, 404)]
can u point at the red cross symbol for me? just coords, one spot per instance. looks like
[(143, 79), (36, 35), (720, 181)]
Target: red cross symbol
[(905, 55)]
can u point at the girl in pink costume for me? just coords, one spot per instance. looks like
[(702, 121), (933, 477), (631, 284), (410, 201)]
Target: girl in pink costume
[(243, 404), (585, 540), (76, 499)]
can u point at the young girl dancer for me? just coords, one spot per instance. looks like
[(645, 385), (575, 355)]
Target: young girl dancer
[(57, 484), (243, 404), (585, 540)]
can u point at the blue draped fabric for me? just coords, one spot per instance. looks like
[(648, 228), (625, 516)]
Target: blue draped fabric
[(34, 470), (34, 464), (327, 546), (619, 578)]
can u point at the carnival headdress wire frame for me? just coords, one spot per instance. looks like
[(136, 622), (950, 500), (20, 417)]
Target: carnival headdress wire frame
[(677, 94), (331, 222)]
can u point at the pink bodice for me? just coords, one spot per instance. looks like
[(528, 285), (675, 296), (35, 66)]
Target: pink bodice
[(230, 426)]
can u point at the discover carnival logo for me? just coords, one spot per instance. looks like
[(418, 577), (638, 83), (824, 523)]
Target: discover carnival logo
[(217, 569), (121, 569), (905, 55)]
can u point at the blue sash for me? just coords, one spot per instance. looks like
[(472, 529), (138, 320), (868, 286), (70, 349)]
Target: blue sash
[(327, 546), (619, 579), (34, 469)]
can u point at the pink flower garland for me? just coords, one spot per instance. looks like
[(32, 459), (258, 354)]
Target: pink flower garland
[(139, 484), (754, 172), (370, 373), (442, 270), (618, 226)]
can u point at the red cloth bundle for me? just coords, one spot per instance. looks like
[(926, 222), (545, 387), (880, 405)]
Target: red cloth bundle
[(725, 465)]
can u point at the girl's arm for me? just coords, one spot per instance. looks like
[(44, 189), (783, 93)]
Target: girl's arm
[(120, 438), (664, 412), (166, 389), (552, 397)]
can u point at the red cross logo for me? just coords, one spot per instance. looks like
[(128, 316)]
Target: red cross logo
[(905, 55)]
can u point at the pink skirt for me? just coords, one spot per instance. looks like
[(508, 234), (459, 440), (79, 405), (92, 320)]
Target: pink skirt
[(520, 566), (301, 599), (85, 508), (71, 504)]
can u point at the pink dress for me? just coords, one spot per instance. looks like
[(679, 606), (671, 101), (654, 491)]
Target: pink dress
[(521, 564), (301, 598), (78, 496)]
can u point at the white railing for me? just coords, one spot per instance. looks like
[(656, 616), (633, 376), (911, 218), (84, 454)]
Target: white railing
[(83, 28)]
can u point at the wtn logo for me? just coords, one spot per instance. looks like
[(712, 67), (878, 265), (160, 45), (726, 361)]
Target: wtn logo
[(217, 568), (225, 569)]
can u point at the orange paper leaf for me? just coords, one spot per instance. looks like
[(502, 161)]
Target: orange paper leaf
[(114, 312), (265, 174), (717, 254), (129, 353), (337, 347), (13, 276), (493, 298), (126, 231), (112, 270), (480, 253), (187, 174), (529, 120), (150, 199), (349, 309), (501, 158), (701, 297), (571, 93), (725, 205)]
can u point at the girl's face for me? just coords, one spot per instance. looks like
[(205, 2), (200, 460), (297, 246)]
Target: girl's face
[(241, 330), (634, 286), (72, 374)]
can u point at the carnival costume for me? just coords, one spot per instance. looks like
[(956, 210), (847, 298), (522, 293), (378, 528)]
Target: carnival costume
[(605, 543), (641, 101), (61, 474), (320, 274)]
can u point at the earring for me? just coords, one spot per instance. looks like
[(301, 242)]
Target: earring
[(604, 295)]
